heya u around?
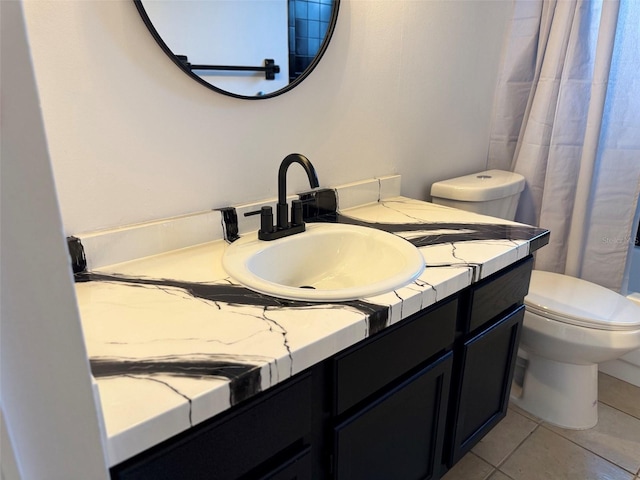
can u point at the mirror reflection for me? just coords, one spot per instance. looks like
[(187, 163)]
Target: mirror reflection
[(243, 48)]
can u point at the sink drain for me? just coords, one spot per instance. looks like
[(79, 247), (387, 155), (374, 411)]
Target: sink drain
[(308, 286)]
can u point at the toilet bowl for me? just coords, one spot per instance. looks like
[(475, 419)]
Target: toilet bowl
[(570, 325)]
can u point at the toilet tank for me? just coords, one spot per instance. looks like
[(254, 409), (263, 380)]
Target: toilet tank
[(492, 192)]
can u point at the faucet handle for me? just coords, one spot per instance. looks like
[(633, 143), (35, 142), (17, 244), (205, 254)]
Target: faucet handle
[(296, 213), (266, 219)]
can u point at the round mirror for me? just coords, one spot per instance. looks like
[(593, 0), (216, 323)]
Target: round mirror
[(251, 49)]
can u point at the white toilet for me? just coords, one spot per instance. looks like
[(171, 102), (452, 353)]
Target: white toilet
[(570, 325)]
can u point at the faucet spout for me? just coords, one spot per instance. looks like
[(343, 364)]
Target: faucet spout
[(282, 212), (282, 228)]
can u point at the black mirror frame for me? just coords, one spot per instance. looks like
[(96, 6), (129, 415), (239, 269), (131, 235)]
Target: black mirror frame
[(290, 86)]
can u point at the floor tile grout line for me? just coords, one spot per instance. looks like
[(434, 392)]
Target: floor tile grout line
[(618, 409), (490, 474), (497, 467), (500, 464), (560, 432), (547, 426), (508, 476), (525, 414), (588, 450)]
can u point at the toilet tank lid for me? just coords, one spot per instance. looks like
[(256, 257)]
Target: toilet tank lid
[(576, 301), (480, 187)]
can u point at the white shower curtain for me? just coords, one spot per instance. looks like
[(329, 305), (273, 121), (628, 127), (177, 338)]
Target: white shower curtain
[(567, 117)]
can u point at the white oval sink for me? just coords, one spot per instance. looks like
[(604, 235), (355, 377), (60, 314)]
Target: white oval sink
[(327, 262)]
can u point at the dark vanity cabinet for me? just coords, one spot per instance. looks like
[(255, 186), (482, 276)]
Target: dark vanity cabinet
[(269, 436), (391, 394), (406, 403), (485, 354)]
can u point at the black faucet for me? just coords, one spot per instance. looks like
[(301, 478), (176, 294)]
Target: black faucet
[(284, 228)]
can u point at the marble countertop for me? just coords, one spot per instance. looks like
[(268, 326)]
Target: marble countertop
[(173, 341)]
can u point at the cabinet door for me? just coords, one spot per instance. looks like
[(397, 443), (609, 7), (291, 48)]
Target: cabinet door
[(480, 393), (400, 435), (297, 468)]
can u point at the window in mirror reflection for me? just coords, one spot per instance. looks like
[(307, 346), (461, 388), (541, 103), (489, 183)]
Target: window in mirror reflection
[(308, 24)]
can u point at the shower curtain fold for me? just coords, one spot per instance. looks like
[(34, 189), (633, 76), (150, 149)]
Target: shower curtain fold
[(567, 101)]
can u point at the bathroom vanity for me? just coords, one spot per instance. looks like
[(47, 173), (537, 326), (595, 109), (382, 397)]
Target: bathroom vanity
[(199, 377)]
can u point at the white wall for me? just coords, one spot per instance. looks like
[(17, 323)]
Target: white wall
[(405, 87), (50, 428)]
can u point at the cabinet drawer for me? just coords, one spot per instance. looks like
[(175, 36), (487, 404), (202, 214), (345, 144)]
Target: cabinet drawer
[(375, 362), (229, 447), (499, 292)]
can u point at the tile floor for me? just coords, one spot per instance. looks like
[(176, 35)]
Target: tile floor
[(522, 447)]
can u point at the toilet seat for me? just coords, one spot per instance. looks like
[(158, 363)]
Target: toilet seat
[(577, 302)]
